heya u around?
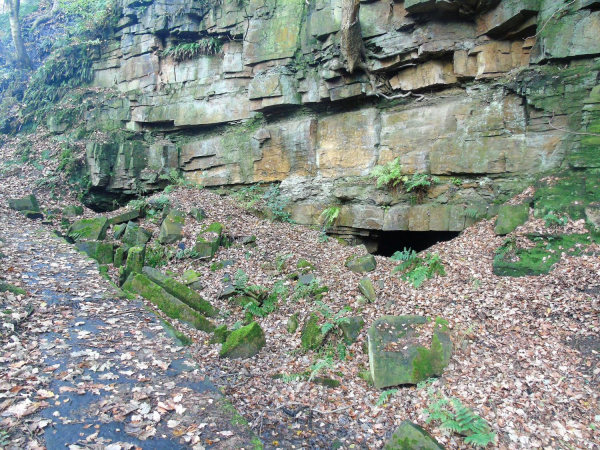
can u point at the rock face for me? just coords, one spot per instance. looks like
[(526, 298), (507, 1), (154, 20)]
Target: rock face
[(397, 356), (98, 250), (275, 104)]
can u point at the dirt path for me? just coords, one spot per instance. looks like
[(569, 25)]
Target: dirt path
[(82, 368)]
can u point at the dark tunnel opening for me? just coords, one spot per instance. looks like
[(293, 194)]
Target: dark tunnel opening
[(390, 242)]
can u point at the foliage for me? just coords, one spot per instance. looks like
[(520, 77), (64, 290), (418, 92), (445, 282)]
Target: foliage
[(189, 50), (138, 203), (248, 196), (277, 204), (281, 261), (454, 416), (90, 18), (508, 249), (310, 291), (269, 304), (322, 238), (157, 255), (330, 215), (64, 70), (385, 395), (419, 184), (416, 269), (552, 220), (456, 181), (187, 253), (389, 174), (175, 179), (473, 213), (315, 369), (331, 320)]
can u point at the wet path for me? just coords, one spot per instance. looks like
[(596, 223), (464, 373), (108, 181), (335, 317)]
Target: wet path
[(106, 371)]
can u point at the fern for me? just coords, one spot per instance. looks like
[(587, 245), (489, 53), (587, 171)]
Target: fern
[(552, 220), (330, 215), (416, 269), (454, 416), (189, 50), (404, 255), (289, 378), (419, 184), (240, 280), (389, 175), (385, 395), (320, 366)]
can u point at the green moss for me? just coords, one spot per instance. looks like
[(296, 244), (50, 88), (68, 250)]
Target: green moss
[(220, 335), (171, 306), (92, 229), (566, 195), (244, 342), (430, 361), (7, 287), (312, 337), (304, 265), (539, 259), (510, 217)]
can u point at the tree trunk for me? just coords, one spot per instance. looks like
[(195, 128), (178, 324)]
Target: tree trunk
[(15, 29), (46, 17), (351, 44)]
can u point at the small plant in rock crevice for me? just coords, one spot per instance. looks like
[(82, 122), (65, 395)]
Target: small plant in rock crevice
[(330, 215), (390, 175), (415, 268), (189, 50)]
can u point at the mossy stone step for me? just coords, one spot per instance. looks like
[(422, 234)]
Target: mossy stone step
[(140, 284), (244, 342), (181, 291)]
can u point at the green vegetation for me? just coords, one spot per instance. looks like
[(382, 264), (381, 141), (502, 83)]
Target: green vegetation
[(248, 196), (176, 179), (189, 50), (452, 415), (552, 220), (456, 181), (385, 396), (276, 204), (330, 215), (390, 175), (510, 260), (313, 291), (416, 269)]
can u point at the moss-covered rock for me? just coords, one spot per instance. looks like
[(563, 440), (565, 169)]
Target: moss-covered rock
[(198, 214), (305, 266), (351, 328), (102, 252), (135, 235), (119, 257), (135, 260), (72, 211), (124, 217), (33, 215), (209, 240), (181, 291), (365, 285), (244, 342), (190, 276), (510, 217), (292, 323), (312, 337), (306, 279), (89, 229), (119, 231), (395, 356), (174, 308), (171, 229), (220, 335), (28, 203), (409, 436), (362, 264)]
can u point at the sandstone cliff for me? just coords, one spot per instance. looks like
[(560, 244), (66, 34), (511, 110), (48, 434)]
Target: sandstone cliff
[(499, 92)]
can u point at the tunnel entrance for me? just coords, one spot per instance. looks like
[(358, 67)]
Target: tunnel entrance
[(390, 242)]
